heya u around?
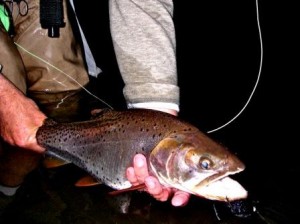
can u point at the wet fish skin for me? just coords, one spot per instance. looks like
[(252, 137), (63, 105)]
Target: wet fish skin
[(178, 153)]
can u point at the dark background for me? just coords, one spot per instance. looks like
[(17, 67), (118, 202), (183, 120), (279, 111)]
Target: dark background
[(218, 53)]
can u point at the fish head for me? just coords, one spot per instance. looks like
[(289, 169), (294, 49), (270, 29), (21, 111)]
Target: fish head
[(194, 163)]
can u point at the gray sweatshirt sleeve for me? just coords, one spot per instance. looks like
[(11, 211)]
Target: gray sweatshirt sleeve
[(144, 41)]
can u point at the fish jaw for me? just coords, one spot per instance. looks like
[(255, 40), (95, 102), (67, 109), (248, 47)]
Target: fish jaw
[(194, 163), (224, 189)]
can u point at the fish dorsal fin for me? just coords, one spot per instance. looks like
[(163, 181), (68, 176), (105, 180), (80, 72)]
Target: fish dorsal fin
[(87, 181), (95, 113), (132, 188)]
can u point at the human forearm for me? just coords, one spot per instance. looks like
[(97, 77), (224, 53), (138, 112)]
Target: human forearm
[(20, 117), (144, 40)]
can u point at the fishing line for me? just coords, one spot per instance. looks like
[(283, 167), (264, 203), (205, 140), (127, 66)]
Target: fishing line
[(213, 130), (70, 77), (258, 76)]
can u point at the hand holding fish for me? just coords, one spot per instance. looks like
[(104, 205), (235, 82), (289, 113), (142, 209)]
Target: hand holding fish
[(20, 117), (27, 118), (178, 154), (139, 174)]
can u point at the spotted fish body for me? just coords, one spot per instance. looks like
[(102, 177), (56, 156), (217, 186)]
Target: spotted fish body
[(178, 153)]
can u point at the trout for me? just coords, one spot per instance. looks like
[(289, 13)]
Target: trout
[(178, 153)]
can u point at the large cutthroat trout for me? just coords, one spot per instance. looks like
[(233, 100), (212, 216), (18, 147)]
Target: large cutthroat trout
[(178, 153)]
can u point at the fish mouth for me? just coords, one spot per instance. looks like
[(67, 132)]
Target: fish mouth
[(220, 187), (224, 189)]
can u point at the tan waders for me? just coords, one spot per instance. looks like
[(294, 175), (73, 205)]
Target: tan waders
[(25, 58)]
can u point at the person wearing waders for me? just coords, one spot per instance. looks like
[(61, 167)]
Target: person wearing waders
[(38, 47)]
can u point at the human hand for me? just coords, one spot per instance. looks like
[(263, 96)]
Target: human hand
[(139, 174), (20, 117)]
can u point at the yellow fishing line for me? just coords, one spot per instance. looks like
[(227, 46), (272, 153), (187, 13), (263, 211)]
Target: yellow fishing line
[(258, 76), (61, 71)]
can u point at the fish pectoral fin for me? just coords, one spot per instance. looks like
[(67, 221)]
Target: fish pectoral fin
[(87, 181), (53, 162), (132, 188)]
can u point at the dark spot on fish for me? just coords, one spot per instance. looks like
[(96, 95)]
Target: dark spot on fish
[(153, 136), (147, 130), (141, 129)]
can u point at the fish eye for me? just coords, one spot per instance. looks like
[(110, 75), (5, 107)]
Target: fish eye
[(205, 163)]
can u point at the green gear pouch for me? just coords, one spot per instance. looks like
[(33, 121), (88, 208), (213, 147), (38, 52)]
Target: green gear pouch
[(5, 19)]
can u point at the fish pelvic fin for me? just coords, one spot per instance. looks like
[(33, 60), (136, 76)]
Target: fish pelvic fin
[(132, 188), (53, 162)]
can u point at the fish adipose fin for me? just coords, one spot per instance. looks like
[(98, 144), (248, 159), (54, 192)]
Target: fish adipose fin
[(95, 113)]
